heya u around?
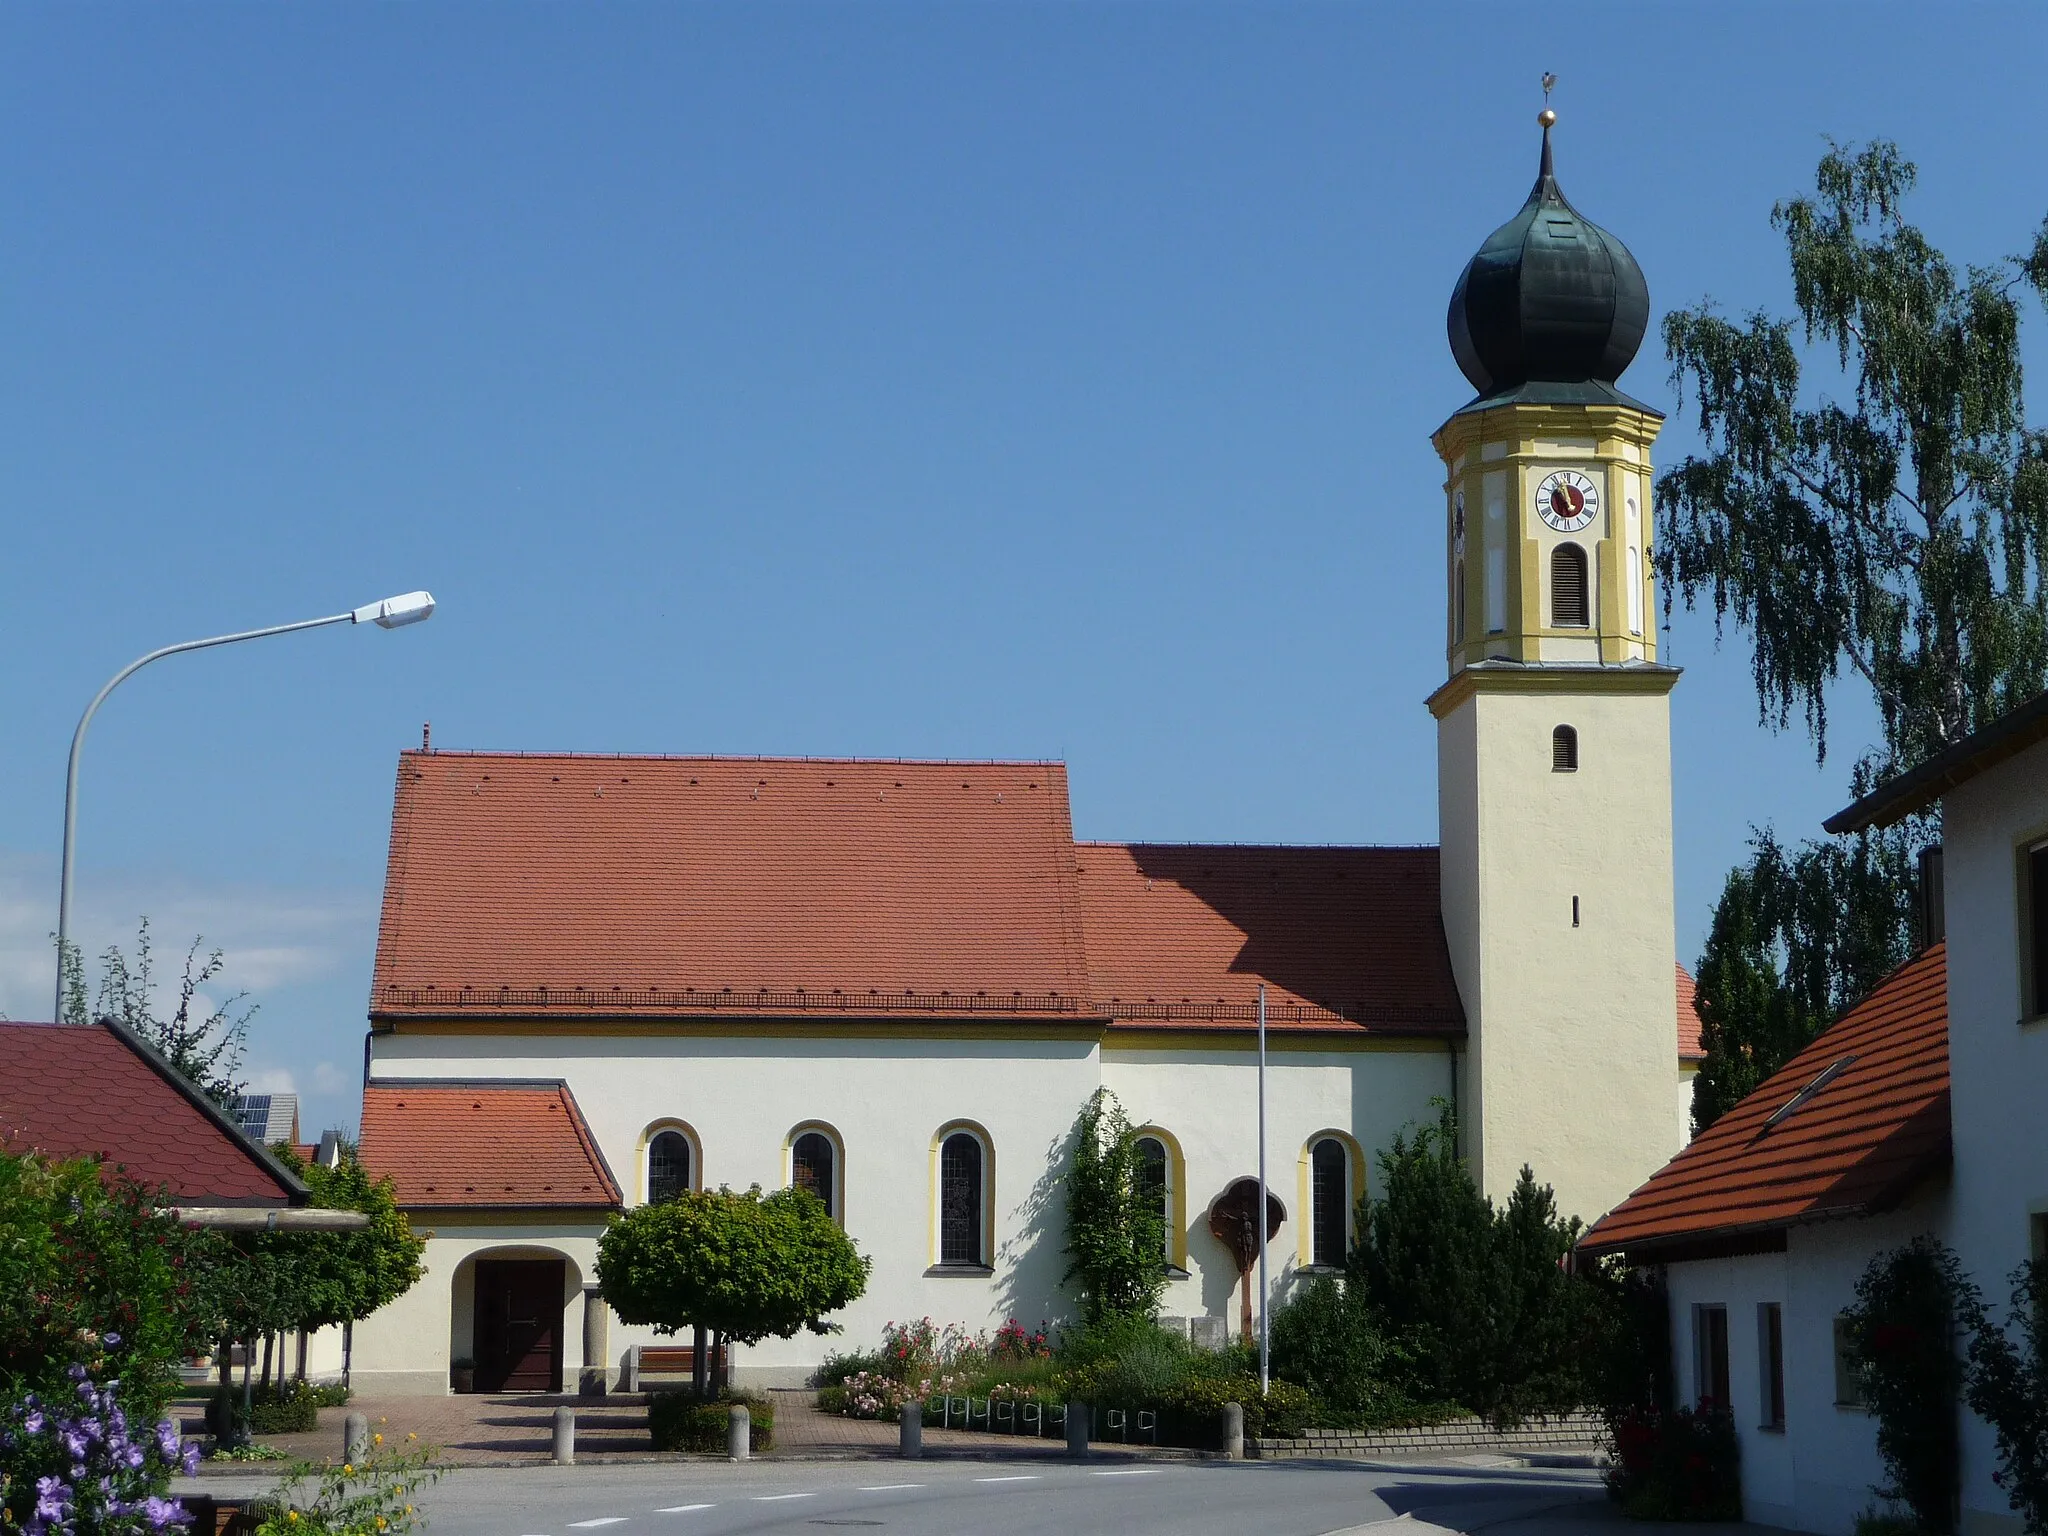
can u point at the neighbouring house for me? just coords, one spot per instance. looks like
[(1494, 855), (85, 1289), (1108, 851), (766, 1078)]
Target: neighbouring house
[(95, 1090), (600, 980), (1914, 1114)]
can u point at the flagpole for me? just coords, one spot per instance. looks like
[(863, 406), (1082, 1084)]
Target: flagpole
[(1265, 1334)]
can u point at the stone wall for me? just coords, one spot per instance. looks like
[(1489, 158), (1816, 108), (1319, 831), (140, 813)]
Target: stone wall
[(1573, 1431)]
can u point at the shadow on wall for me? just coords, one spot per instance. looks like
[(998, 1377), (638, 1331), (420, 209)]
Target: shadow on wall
[(1031, 1265), (1301, 912)]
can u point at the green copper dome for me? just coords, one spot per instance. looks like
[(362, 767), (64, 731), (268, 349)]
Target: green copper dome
[(1551, 298)]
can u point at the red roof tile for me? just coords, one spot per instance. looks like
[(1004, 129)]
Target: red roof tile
[(693, 885), (1857, 1144), (1184, 935), (88, 1091), (1690, 1046), (484, 1144)]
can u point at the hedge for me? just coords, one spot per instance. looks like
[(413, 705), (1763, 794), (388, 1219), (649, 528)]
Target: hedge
[(681, 1421)]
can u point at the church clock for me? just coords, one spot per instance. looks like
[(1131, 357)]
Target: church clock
[(1567, 500)]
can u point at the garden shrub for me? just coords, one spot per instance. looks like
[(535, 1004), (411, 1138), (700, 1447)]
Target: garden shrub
[(370, 1497), (74, 1461), (682, 1421), (1910, 1306), (1679, 1465), (1328, 1339), (2008, 1390), (293, 1410), (1191, 1414)]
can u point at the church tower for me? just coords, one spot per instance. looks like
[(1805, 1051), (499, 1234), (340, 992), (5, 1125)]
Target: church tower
[(1553, 732)]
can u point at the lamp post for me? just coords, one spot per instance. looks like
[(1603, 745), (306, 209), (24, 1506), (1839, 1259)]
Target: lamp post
[(388, 613)]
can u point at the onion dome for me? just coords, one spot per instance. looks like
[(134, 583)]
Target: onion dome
[(1551, 298)]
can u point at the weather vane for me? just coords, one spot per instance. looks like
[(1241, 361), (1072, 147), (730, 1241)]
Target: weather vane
[(1547, 117)]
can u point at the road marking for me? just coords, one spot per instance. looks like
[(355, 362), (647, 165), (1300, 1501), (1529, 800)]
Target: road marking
[(1023, 1477), (683, 1509), (1128, 1472), (889, 1487), (777, 1498), (584, 1525)]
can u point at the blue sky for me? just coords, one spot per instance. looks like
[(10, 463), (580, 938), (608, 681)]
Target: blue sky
[(974, 380)]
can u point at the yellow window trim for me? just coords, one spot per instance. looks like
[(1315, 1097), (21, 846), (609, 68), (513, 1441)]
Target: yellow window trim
[(831, 1134), (1177, 1192), (654, 1129), (988, 1191), (1304, 1239)]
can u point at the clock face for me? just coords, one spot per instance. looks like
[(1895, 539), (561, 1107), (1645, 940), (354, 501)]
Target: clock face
[(1567, 500)]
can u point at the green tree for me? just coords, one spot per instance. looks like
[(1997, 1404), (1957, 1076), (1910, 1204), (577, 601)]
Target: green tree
[(744, 1266), (1478, 1299), (1116, 1231), (1896, 537), (87, 1258), (206, 1049), (2008, 1389)]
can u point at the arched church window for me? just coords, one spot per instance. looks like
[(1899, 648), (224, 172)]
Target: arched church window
[(1155, 1176), (1564, 750), (1569, 605), (1329, 1169), (960, 1210), (814, 1165), (668, 1166)]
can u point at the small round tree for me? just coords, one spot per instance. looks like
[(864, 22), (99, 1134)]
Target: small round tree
[(745, 1267)]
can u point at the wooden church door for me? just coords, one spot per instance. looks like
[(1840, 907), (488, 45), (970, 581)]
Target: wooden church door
[(519, 1325)]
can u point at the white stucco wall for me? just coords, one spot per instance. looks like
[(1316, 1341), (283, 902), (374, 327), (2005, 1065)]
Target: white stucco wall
[(1818, 1473), (886, 1099), (1573, 1029), (1998, 1062)]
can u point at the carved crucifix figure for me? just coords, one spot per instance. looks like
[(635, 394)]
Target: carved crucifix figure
[(1233, 1221)]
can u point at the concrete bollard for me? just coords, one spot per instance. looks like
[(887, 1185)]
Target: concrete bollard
[(1233, 1431), (739, 1433), (912, 1437), (1077, 1429), (355, 1437), (565, 1436)]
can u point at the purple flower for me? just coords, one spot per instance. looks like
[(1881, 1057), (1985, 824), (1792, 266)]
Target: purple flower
[(77, 1373), (191, 1459), (33, 1423), (51, 1503), (113, 1341), (75, 1443), (167, 1440), (162, 1512)]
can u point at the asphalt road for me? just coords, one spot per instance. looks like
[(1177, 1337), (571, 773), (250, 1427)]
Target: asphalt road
[(947, 1498)]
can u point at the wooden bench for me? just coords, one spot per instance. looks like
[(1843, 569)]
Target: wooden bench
[(666, 1360)]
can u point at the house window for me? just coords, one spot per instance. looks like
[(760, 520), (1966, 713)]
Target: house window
[(2034, 909), (960, 1213), (668, 1166), (814, 1165), (1770, 1349), (1564, 750), (1155, 1175), (2037, 1235), (1329, 1172), (1710, 1355), (1569, 605), (1848, 1375)]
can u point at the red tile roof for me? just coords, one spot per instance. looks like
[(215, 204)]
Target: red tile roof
[(1690, 1047), (1184, 935), (529, 884), (1856, 1144), (484, 1143), (92, 1091), (694, 885)]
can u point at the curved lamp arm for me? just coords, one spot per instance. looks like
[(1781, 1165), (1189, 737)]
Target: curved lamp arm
[(389, 613)]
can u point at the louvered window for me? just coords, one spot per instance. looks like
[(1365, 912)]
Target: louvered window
[(1564, 750), (1569, 608), (960, 1200), (668, 1166)]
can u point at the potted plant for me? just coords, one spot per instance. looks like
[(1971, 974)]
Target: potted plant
[(462, 1374)]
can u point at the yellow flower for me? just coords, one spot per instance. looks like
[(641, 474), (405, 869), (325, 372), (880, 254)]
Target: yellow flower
[(408, 1509), (380, 1522), (293, 1516), (348, 1468), (410, 1436), (376, 1439)]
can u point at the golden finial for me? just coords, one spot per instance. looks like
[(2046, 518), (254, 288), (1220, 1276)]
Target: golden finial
[(1546, 117)]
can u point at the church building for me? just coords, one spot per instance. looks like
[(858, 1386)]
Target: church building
[(603, 979)]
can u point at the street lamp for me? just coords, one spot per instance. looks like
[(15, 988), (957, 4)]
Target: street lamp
[(387, 613)]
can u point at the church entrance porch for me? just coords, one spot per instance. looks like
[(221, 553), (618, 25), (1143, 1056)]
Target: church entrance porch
[(519, 1325)]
